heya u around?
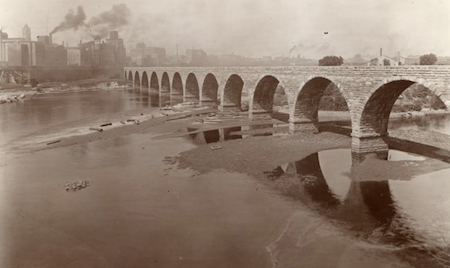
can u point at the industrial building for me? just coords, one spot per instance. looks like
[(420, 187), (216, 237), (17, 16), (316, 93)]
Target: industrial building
[(43, 52)]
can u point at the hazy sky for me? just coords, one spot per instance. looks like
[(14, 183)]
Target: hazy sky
[(255, 27)]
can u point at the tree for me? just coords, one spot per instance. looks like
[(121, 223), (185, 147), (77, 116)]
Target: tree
[(331, 61), (374, 62), (428, 59)]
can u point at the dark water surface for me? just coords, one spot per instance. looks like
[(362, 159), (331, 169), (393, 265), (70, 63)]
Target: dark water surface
[(401, 212), (140, 212)]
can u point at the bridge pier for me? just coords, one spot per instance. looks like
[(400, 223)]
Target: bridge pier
[(209, 103), (261, 115), (229, 107), (191, 98), (365, 145), (297, 125), (164, 99), (176, 98)]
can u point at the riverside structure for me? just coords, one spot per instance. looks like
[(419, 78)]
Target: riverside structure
[(370, 92)]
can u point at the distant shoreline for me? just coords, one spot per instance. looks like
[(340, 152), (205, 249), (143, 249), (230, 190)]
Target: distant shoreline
[(27, 91)]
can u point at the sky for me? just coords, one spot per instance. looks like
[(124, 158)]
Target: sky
[(253, 28)]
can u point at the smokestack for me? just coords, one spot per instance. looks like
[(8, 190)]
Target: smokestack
[(398, 56), (381, 51)]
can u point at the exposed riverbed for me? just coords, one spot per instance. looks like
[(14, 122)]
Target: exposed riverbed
[(161, 197)]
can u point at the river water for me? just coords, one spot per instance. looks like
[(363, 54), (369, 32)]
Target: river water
[(141, 211)]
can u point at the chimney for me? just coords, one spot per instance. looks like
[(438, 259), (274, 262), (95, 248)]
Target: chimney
[(381, 51), (398, 56)]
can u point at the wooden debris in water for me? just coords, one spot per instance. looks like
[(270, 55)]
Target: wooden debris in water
[(96, 128)]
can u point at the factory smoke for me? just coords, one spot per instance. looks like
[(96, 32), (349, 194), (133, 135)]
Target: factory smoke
[(113, 19), (98, 26), (71, 21)]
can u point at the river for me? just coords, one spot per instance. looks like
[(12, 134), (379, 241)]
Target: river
[(140, 210)]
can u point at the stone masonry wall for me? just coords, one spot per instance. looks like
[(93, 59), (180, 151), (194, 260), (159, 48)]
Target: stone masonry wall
[(357, 85)]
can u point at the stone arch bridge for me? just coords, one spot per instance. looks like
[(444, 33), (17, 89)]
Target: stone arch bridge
[(370, 92)]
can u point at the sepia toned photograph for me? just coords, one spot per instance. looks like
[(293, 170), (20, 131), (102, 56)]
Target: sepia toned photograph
[(225, 134)]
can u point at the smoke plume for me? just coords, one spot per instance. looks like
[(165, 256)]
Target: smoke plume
[(113, 19), (71, 21), (98, 26)]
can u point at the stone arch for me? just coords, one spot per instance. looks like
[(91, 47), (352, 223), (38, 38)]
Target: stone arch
[(130, 76), (370, 124), (177, 84), (306, 106), (125, 74), (374, 117), (137, 80), (210, 90), (192, 91), (154, 90), (232, 93), (165, 83), (154, 83), (263, 97), (145, 81)]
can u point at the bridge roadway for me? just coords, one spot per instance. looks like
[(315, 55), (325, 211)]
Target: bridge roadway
[(370, 92)]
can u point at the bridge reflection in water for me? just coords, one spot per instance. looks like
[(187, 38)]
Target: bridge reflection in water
[(367, 207)]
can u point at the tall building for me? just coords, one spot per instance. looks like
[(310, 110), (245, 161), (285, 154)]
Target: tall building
[(15, 51), (148, 56), (196, 57), (44, 39), (26, 33), (115, 49)]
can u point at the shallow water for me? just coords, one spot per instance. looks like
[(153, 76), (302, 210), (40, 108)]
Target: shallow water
[(142, 211), (43, 111)]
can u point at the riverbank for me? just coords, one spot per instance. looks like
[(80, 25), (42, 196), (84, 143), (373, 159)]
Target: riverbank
[(15, 93)]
